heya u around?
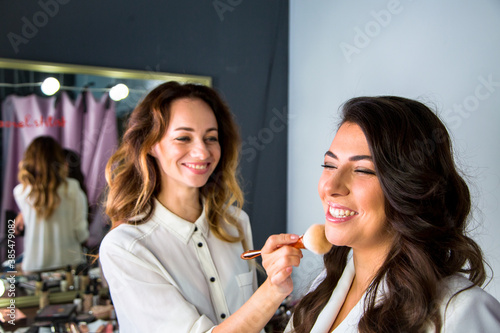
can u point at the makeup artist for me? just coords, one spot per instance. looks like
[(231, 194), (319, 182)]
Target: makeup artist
[(172, 258), (53, 209), (397, 213)]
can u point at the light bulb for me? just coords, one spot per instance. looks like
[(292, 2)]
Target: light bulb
[(50, 86), (118, 92)]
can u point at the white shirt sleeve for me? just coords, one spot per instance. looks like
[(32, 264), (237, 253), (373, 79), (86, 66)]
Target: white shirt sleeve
[(164, 310)]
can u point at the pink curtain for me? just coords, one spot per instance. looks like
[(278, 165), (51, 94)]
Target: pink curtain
[(87, 126)]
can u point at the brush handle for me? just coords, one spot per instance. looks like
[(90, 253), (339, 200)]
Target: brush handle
[(252, 254)]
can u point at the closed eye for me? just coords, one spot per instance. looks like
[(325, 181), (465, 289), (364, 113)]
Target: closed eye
[(365, 171), (326, 166), (183, 138), (212, 139)]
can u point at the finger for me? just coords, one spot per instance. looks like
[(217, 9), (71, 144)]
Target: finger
[(282, 275), (286, 255), (280, 259), (276, 241)]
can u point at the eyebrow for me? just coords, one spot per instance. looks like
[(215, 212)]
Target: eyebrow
[(352, 158), (189, 129)]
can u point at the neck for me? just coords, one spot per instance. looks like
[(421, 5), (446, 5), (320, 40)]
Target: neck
[(367, 264), (184, 203)]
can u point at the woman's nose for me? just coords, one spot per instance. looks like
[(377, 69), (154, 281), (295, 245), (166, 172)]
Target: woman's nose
[(200, 150), (335, 184)]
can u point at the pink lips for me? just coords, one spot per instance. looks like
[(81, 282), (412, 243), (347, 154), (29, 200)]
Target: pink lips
[(334, 219)]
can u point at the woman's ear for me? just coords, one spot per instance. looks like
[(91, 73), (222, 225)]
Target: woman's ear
[(152, 151)]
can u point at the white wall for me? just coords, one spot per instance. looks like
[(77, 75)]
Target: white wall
[(445, 53)]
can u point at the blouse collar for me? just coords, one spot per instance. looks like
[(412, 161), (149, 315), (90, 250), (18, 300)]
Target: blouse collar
[(179, 227)]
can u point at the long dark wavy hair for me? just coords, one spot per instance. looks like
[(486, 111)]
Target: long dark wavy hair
[(133, 175), (427, 207)]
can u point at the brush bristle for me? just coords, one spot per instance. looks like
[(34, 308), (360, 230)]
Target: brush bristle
[(315, 239)]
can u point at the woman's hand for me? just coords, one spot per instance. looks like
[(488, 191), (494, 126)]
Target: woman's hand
[(279, 259), (19, 225)]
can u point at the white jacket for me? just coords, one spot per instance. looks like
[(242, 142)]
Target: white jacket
[(471, 311)]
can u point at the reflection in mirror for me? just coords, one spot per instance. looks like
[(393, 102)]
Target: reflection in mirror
[(82, 117)]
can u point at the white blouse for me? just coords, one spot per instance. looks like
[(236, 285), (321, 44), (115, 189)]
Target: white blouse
[(171, 275), (54, 242), (473, 310)]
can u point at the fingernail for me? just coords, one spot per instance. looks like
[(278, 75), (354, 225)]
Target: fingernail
[(294, 237)]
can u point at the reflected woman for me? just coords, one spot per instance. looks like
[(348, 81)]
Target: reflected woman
[(53, 208), (172, 258), (397, 212)]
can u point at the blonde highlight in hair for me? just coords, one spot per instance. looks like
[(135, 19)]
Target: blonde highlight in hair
[(43, 168), (134, 177)]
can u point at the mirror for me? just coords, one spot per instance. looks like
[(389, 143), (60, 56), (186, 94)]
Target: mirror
[(79, 84)]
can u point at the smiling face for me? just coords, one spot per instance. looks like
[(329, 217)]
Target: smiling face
[(351, 193), (189, 151)]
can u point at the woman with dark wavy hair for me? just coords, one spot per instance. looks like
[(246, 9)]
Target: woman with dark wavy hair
[(396, 212), (172, 258)]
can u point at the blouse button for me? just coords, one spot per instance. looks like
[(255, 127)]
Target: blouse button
[(212, 279), (200, 244), (195, 228), (223, 315)]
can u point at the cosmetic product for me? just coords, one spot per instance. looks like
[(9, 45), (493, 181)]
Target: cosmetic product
[(314, 240), (71, 328), (87, 300), (109, 328), (78, 302), (38, 284), (69, 277), (84, 279), (95, 295), (76, 282), (63, 284), (44, 296)]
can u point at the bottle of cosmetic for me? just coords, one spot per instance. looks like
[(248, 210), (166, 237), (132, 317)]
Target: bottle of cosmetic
[(76, 282), (69, 277), (78, 302), (38, 284), (44, 296), (95, 294), (63, 284), (87, 300), (84, 279)]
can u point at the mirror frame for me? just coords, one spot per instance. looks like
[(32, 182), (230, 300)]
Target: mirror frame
[(48, 67)]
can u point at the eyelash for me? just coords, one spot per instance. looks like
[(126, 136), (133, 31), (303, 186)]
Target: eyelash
[(331, 167), (186, 138), (328, 166), (368, 172)]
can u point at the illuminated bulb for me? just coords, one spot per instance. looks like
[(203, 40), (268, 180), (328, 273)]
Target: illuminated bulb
[(118, 92), (50, 86)]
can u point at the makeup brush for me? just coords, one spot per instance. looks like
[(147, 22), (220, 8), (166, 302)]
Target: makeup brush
[(313, 240)]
